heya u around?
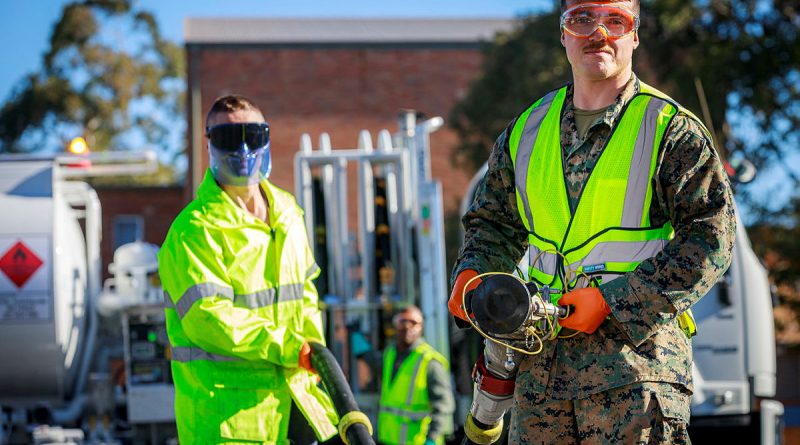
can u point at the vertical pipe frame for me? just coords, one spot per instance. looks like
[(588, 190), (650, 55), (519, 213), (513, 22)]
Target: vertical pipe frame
[(366, 210), (409, 189)]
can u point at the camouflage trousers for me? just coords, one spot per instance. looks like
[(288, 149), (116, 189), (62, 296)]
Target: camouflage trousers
[(639, 413)]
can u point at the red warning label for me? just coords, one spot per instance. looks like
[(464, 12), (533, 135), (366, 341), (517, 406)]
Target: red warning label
[(19, 263)]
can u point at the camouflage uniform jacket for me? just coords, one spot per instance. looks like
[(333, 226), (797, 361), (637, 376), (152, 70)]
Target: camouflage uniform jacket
[(642, 340)]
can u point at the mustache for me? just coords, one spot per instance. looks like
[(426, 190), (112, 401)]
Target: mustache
[(597, 47)]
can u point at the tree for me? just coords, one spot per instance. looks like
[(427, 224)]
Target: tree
[(744, 53), (108, 75), (518, 68), (778, 243)]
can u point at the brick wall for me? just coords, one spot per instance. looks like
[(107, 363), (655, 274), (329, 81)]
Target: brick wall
[(158, 207), (338, 90)]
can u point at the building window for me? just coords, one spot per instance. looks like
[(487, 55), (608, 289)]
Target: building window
[(127, 229)]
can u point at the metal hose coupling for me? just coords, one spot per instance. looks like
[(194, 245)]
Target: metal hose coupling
[(482, 435)]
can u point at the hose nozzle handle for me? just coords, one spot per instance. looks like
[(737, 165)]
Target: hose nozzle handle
[(354, 426)]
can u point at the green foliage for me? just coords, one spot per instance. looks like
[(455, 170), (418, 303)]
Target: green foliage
[(519, 67), (108, 75), (778, 244), (744, 53)]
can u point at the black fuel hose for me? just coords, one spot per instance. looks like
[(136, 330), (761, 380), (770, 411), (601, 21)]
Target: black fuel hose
[(354, 426)]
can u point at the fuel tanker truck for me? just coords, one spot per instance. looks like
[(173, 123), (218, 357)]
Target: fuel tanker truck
[(50, 290), (61, 327)]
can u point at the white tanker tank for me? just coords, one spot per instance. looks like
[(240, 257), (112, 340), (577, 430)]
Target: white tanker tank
[(50, 279), (47, 272)]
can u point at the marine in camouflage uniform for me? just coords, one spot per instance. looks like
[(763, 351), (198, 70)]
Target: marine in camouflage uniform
[(608, 387)]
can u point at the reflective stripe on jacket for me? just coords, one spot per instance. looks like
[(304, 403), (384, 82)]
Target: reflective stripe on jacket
[(239, 305), (405, 411), (609, 233)]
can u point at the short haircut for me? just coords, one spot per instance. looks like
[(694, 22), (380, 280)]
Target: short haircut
[(230, 104), (412, 308), (636, 6)]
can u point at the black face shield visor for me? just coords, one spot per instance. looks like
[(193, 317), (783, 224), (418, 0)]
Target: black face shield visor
[(232, 137)]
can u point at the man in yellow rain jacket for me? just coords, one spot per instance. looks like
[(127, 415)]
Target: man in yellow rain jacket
[(240, 304)]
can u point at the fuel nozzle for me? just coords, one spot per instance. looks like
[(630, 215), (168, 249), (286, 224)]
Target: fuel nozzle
[(501, 304)]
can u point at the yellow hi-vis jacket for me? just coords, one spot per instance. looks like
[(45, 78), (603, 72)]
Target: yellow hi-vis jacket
[(240, 303), (405, 411), (609, 233)]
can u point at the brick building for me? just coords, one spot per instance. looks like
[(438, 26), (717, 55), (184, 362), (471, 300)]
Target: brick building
[(136, 213), (335, 76), (311, 76)]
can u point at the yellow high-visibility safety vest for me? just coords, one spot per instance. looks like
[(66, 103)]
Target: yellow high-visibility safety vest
[(610, 232), (405, 410)]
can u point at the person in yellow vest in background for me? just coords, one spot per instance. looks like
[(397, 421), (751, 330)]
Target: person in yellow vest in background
[(241, 307), (416, 403), (619, 198)]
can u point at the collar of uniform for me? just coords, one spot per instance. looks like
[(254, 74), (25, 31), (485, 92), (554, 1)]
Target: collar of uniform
[(209, 191), (569, 138), (627, 93)]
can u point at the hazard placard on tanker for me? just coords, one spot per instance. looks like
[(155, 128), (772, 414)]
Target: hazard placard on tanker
[(25, 292)]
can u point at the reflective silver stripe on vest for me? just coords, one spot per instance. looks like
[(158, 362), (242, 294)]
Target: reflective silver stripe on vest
[(525, 148), (412, 415), (546, 262), (290, 292), (168, 304), (312, 270), (188, 354), (287, 292), (639, 173), (256, 299), (621, 252), (605, 277), (200, 291), (410, 396)]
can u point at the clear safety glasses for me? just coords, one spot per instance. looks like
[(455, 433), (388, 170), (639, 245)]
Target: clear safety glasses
[(584, 19), (232, 137)]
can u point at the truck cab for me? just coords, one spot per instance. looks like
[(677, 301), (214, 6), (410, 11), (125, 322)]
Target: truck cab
[(734, 355)]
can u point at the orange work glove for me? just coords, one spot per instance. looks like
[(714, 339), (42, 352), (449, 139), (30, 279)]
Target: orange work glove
[(456, 297), (304, 361), (589, 309)]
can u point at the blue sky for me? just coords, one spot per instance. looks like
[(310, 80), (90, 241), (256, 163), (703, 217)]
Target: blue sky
[(27, 24)]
